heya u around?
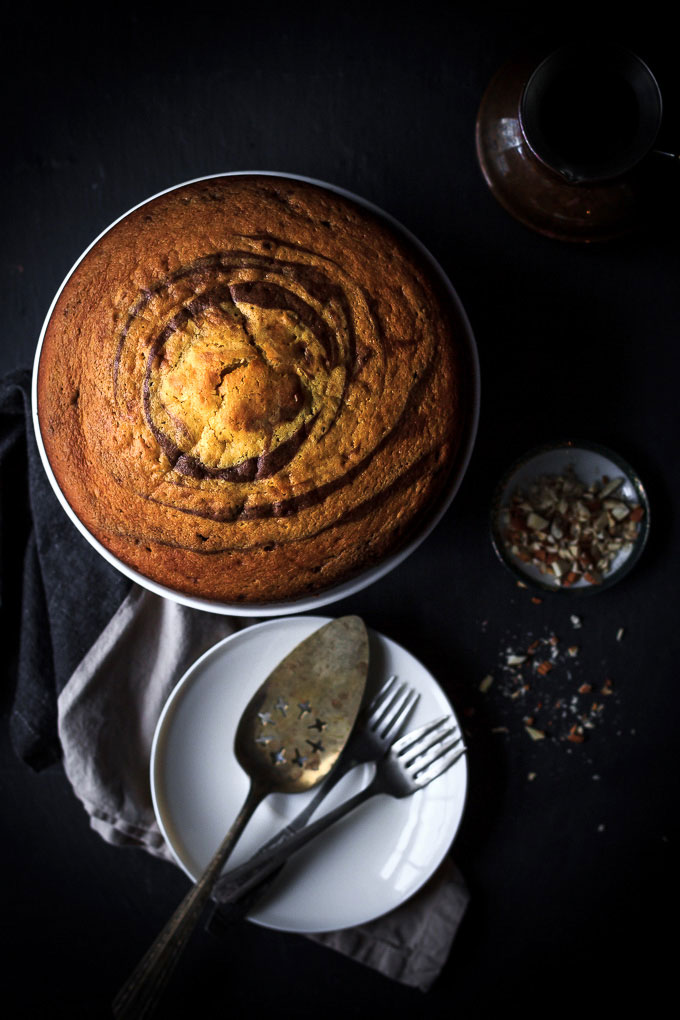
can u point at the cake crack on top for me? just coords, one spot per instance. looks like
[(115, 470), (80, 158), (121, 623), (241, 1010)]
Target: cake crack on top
[(239, 363)]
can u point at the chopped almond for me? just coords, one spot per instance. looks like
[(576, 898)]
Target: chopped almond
[(571, 531), (576, 735)]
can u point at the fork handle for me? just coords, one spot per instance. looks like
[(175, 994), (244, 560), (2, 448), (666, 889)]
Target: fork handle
[(343, 766), (239, 881), (240, 906), (140, 993)]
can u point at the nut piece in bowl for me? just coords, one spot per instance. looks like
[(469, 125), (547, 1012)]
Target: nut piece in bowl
[(570, 517), (252, 389)]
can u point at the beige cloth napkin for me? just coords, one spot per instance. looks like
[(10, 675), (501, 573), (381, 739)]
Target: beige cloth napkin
[(107, 716)]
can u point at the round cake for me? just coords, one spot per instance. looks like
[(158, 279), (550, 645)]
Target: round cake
[(252, 388)]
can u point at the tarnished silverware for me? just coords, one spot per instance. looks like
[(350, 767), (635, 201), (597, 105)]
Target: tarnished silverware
[(289, 737), (411, 763), (377, 726)]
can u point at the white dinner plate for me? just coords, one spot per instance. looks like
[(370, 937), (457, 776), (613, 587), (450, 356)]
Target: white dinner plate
[(363, 866)]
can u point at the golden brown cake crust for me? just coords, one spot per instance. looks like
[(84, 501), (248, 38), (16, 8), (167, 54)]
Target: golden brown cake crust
[(249, 389)]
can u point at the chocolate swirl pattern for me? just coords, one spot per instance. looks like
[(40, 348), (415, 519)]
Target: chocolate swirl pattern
[(255, 352), (260, 409)]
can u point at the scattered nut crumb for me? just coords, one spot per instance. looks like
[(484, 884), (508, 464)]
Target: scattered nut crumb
[(576, 622), (619, 634), (531, 776), (551, 686)]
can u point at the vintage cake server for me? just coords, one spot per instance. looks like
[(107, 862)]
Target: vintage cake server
[(289, 737)]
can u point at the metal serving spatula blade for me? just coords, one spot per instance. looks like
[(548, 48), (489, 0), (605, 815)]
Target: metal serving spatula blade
[(294, 728), (289, 737)]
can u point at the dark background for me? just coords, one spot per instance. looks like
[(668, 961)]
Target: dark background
[(572, 873)]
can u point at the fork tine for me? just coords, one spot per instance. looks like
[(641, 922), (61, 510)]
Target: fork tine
[(385, 693), (407, 708), (409, 740), (399, 711), (420, 762), (434, 737), (440, 766), (385, 701)]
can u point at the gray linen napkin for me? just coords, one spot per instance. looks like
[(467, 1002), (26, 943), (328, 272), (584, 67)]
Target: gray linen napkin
[(107, 715)]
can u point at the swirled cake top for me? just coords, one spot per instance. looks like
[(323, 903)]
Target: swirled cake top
[(246, 351)]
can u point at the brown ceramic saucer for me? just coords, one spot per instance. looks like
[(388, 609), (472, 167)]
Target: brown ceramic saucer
[(531, 192)]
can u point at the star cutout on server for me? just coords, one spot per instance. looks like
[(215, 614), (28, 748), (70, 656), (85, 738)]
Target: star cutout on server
[(282, 705)]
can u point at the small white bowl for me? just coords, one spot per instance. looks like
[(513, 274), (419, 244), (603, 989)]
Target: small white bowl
[(367, 577), (590, 463)]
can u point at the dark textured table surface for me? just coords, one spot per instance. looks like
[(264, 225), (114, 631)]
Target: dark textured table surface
[(573, 871)]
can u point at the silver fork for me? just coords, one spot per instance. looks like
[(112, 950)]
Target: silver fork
[(411, 763), (382, 720), (370, 739)]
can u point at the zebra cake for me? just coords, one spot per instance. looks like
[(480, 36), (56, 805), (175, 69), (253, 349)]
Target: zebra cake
[(252, 388)]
